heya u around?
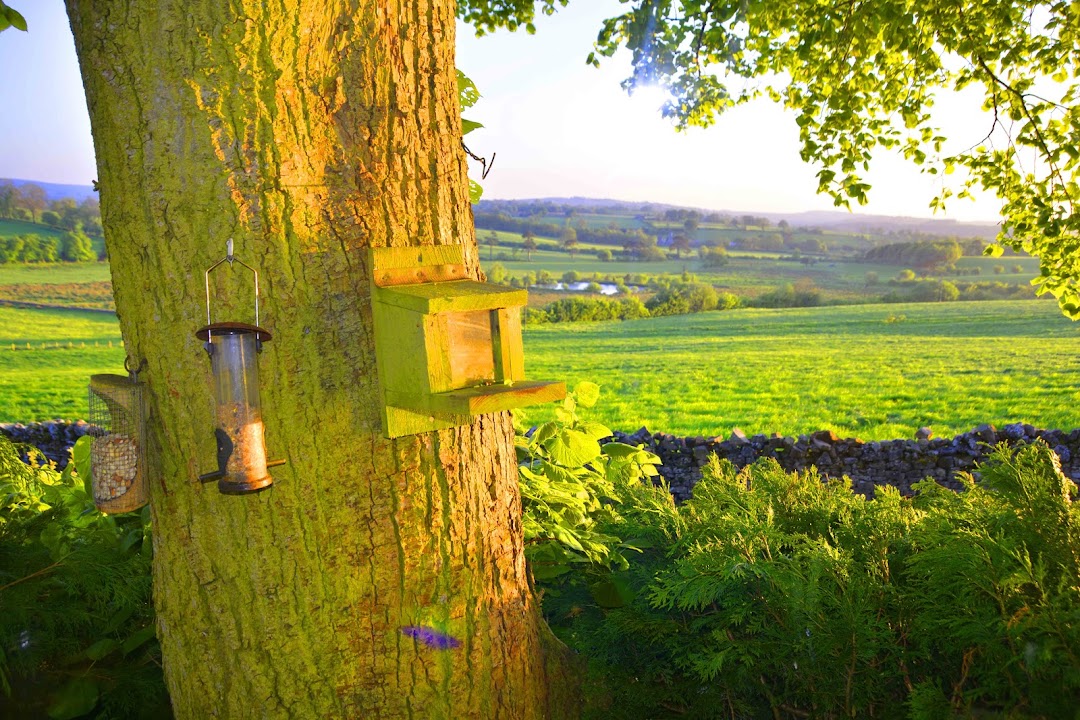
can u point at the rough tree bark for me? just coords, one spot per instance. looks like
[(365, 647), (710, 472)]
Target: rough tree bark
[(307, 131)]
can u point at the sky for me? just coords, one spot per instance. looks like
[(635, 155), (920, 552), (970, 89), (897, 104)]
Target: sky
[(559, 128)]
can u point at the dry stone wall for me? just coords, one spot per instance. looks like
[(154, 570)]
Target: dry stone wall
[(899, 463), (53, 438)]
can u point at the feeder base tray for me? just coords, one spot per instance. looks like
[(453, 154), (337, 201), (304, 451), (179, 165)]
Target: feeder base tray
[(234, 488)]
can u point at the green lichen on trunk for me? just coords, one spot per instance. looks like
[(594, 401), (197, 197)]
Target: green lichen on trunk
[(306, 131)]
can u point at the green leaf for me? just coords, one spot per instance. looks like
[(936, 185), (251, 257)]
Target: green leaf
[(80, 455), (619, 450), (467, 126), (138, 638), (52, 537), (17, 21), (468, 95), (101, 648), (587, 393), (119, 618), (993, 250), (544, 433), (475, 191), (547, 572), (571, 448), (131, 538), (595, 430), (75, 699), (614, 592)]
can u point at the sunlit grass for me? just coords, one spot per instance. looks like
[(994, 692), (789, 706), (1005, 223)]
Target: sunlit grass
[(47, 358), (874, 371)]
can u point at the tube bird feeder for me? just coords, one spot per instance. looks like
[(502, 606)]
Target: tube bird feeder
[(233, 348)]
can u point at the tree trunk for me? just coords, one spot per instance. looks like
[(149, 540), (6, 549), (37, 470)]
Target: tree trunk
[(307, 131)]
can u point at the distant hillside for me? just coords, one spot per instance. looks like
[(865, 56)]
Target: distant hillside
[(56, 191), (826, 220)]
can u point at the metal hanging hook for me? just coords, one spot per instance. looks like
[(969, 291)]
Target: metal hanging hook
[(230, 258)]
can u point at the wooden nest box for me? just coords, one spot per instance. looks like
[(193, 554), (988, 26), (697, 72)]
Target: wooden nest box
[(449, 348)]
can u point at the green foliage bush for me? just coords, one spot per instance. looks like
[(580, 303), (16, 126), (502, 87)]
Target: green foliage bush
[(920, 253), (569, 485), (29, 248), (790, 295), (771, 594), (77, 624), (681, 298), (579, 309)]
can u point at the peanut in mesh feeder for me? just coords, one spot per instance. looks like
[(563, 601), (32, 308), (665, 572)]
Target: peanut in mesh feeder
[(118, 441), (233, 348)]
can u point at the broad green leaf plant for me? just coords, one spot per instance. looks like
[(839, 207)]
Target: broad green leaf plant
[(569, 483), (77, 634), (862, 77)]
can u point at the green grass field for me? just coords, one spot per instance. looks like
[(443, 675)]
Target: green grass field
[(48, 379), (58, 273), (9, 228), (872, 371)]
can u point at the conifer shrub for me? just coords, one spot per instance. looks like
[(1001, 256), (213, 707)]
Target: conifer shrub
[(775, 594), (77, 625)]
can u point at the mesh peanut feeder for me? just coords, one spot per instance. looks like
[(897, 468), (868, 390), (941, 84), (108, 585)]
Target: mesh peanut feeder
[(233, 348), (117, 451)]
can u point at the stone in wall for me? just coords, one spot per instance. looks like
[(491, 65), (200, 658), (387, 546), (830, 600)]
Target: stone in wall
[(53, 438), (900, 463)]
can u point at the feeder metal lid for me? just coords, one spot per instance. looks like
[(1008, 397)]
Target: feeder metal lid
[(231, 328)]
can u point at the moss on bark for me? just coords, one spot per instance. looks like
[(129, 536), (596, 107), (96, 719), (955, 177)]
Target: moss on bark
[(307, 131)]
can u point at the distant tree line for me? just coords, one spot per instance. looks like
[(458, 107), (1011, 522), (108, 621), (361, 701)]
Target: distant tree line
[(919, 254), (29, 203), (72, 246), (556, 231)]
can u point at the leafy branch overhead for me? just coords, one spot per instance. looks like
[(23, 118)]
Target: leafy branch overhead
[(861, 77), (468, 96), (10, 18)]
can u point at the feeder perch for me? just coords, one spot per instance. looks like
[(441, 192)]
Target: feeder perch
[(118, 443), (449, 348), (233, 348)]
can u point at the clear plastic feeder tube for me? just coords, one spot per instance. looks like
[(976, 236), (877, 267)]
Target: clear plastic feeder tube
[(233, 349)]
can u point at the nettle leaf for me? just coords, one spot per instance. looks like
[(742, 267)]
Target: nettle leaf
[(548, 572), (80, 454), (620, 450), (468, 95), (75, 699), (571, 448), (101, 649), (595, 430), (138, 638), (614, 592), (544, 433), (587, 393)]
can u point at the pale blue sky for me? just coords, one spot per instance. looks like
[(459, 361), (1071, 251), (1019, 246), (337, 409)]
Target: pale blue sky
[(559, 127)]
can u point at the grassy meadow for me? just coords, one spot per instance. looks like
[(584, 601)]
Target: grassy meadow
[(47, 358), (872, 371), (875, 371)]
